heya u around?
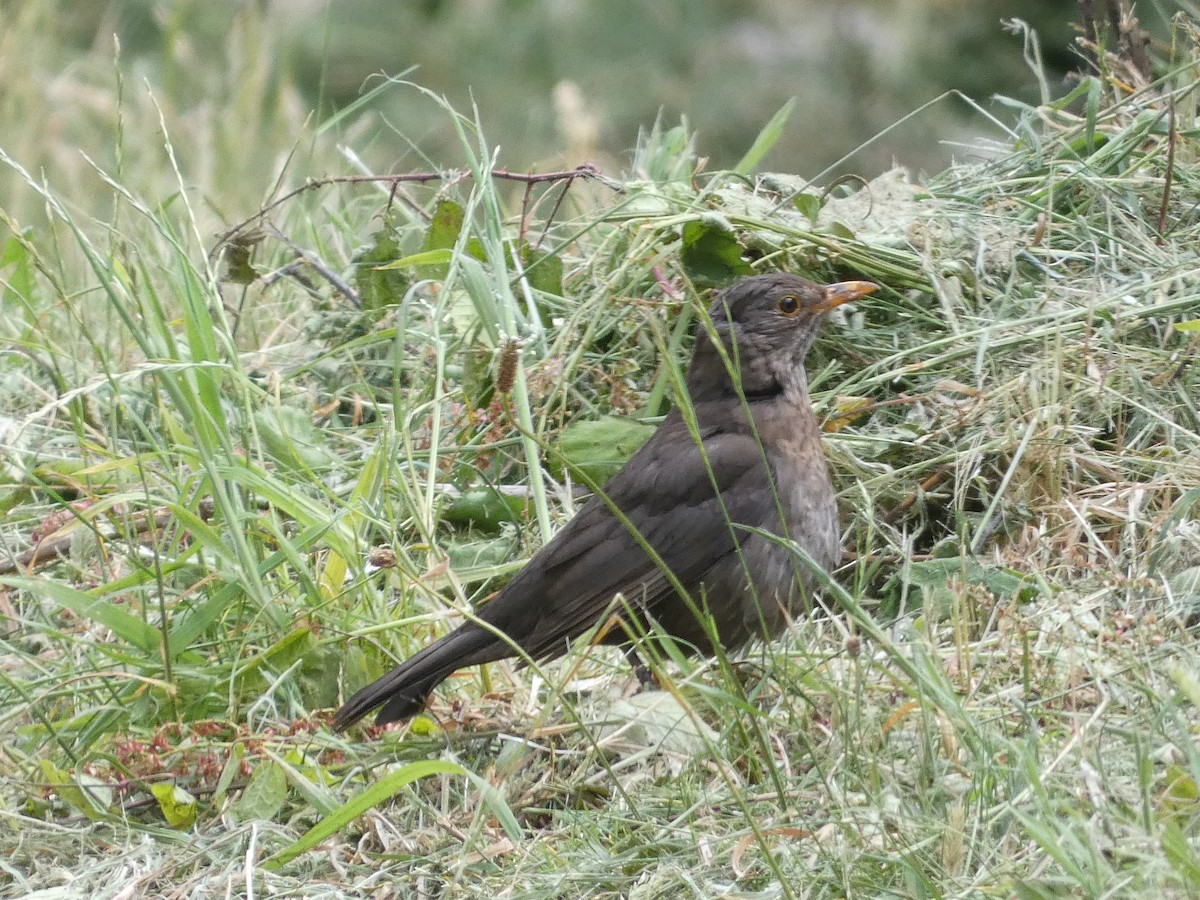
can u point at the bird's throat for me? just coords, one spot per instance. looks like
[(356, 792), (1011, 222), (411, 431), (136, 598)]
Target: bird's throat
[(770, 392), (792, 386)]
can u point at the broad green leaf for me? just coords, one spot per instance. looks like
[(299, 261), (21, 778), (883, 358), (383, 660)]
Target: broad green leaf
[(231, 770), (934, 578), (89, 795), (809, 205), (599, 448), (19, 279), (1189, 686), (479, 290), (264, 796), (368, 488), (315, 795), (444, 226), (711, 254), (544, 270), (484, 508), (238, 257), (1180, 853), (656, 719), (378, 286), (292, 439), (129, 628), (480, 560), (177, 805)]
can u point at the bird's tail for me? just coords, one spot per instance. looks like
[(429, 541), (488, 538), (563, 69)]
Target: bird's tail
[(402, 691)]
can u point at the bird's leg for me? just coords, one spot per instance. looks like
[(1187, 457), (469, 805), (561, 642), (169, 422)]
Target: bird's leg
[(647, 680), (617, 631)]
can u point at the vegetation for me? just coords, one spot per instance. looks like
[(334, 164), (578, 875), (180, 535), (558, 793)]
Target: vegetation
[(241, 475)]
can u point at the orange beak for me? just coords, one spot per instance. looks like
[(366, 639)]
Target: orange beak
[(844, 292)]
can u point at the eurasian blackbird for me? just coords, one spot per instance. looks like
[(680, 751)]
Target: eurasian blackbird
[(703, 496)]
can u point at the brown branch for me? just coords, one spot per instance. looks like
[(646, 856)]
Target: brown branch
[(50, 549), (1169, 173), (525, 213), (927, 485), (587, 171), (319, 266), (562, 195)]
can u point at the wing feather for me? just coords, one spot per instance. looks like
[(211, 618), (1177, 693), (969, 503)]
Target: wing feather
[(685, 506)]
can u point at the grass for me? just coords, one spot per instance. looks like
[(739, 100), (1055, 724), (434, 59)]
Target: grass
[(269, 484)]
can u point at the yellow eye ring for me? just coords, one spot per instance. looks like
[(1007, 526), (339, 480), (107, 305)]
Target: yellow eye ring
[(788, 305)]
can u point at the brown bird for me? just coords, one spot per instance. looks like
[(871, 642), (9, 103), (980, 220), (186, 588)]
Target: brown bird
[(703, 500)]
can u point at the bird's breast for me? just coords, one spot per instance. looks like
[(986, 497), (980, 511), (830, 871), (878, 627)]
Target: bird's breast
[(805, 512)]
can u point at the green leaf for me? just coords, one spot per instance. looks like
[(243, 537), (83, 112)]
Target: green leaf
[(129, 628), (485, 508), (1092, 108), (1189, 686), (767, 138), (177, 805), (383, 789), (293, 440), (423, 726), (711, 254), (655, 719), (480, 293), (316, 675), (88, 795), (934, 578), (264, 796), (543, 270), (495, 801), (838, 229), (285, 651), (378, 286), (239, 257), (809, 205), (315, 793), (445, 226), (480, 560), (1178, 850), (1190, 325), (190, 624), (230, 771), (19, 280), (599, 448), (439, 257)]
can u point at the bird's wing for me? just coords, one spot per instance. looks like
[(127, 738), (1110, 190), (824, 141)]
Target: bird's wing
[(680, 501)]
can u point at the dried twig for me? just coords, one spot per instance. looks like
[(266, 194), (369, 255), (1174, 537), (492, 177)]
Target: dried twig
[(53, 548), (584, 171)]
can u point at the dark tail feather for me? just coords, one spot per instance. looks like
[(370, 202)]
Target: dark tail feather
[(403, 690)]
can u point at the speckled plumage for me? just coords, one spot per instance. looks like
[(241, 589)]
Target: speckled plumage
[(759, 465)]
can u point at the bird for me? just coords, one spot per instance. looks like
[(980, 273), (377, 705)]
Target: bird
[(711, 497)]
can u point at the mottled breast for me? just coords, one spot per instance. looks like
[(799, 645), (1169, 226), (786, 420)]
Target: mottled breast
[(809, 514)]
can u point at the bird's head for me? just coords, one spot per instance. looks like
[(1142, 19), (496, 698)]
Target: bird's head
[(766, 324)]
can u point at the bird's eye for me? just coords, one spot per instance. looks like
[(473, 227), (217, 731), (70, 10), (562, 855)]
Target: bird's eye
[(788, 305)]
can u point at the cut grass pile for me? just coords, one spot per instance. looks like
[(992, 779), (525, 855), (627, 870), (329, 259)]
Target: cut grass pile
[(270, 470)]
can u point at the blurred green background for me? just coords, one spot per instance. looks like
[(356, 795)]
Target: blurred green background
[(556, 82)]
